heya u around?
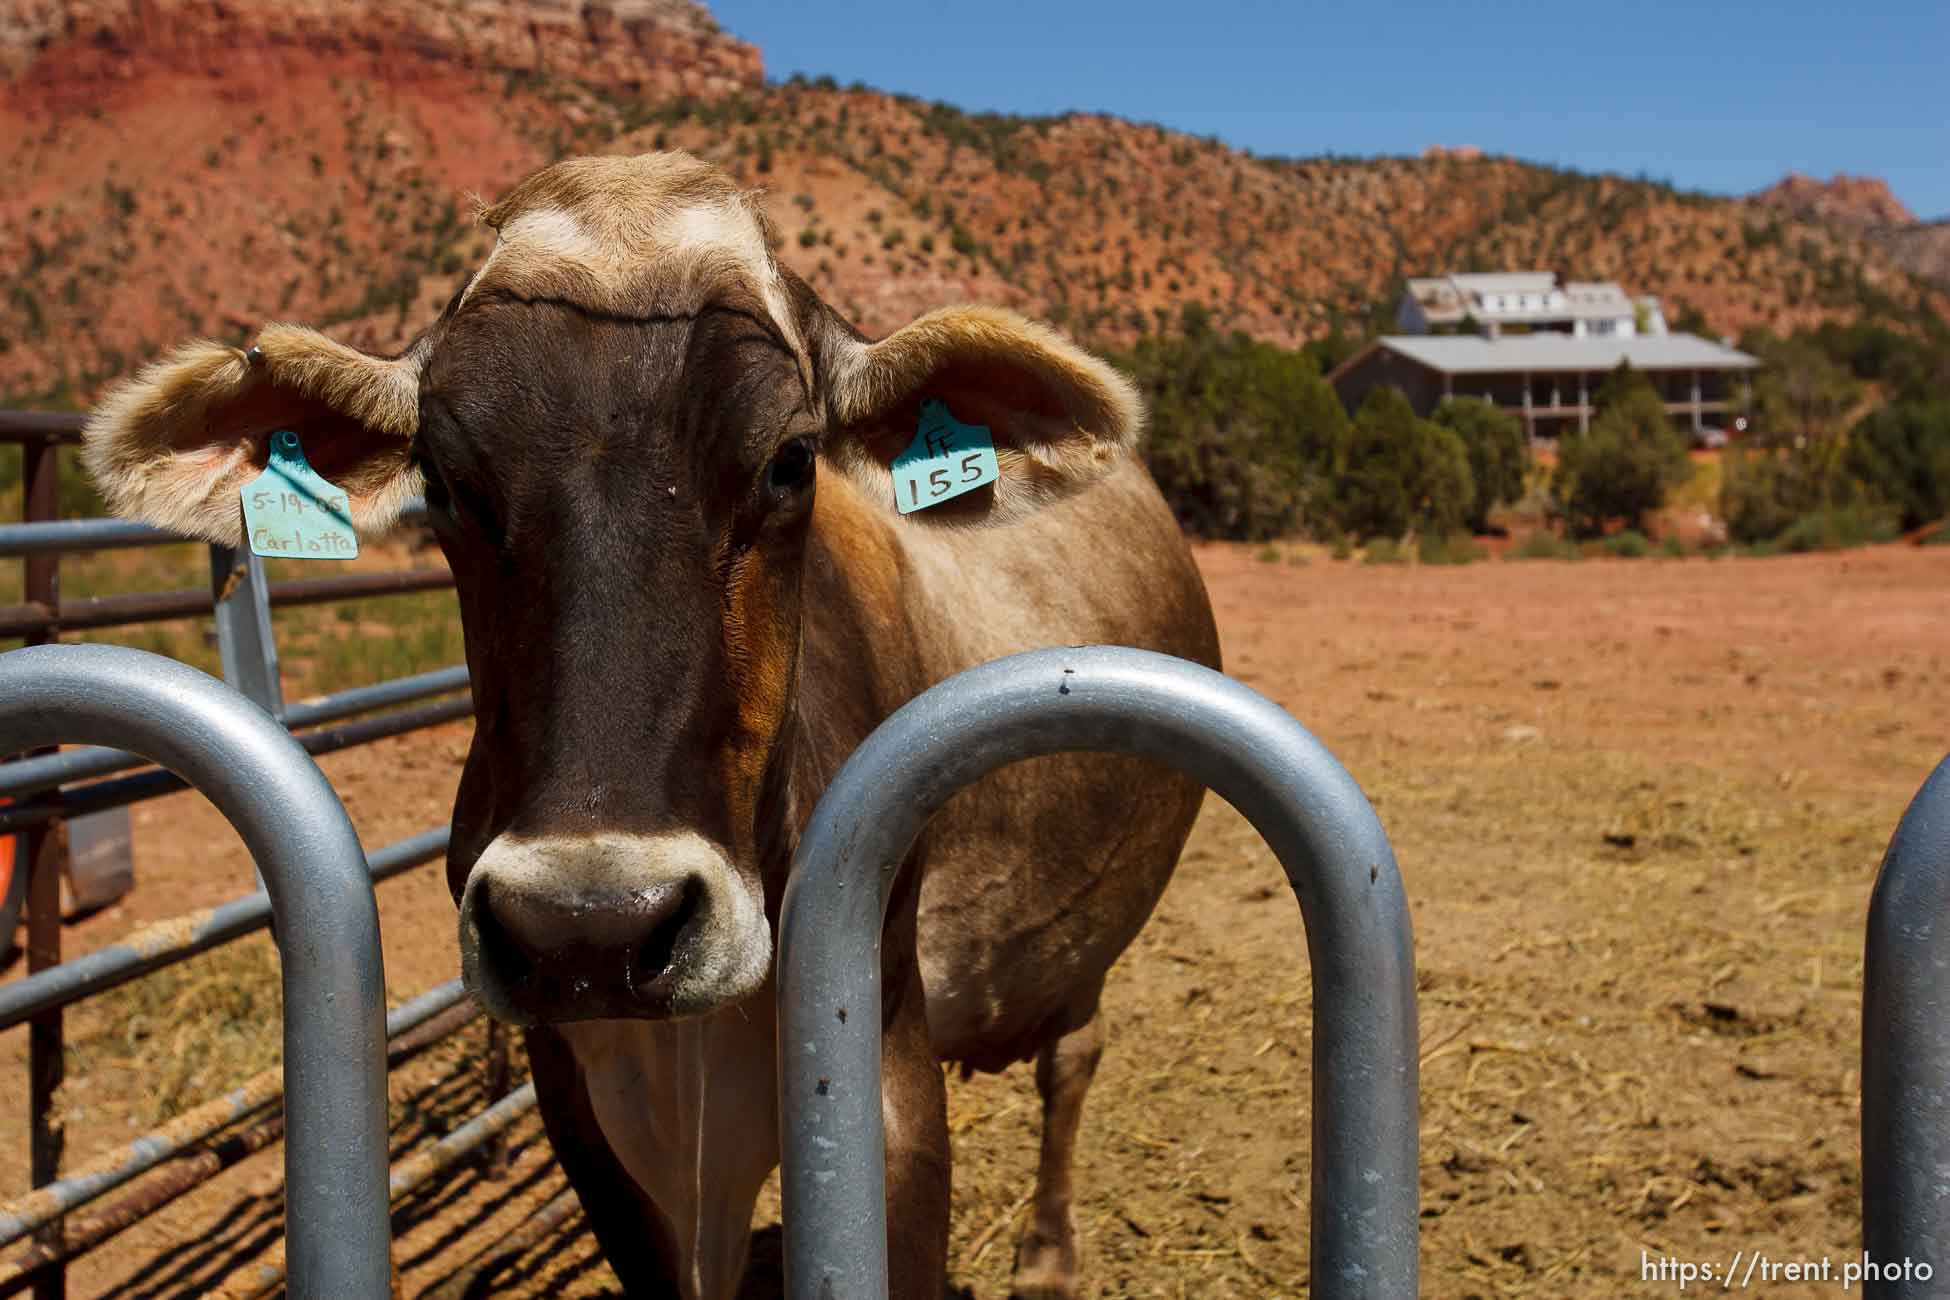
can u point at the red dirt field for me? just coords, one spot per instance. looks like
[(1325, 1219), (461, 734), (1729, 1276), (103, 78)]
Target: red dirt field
[(1638, 806)]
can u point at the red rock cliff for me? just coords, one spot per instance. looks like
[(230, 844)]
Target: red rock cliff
[(659, 48)]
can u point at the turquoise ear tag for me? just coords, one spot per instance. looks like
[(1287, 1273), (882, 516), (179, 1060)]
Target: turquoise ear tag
[(291, 513), (946, 459)]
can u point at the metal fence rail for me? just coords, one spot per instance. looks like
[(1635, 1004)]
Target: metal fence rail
[(47, 790), (1247, 749), (1906, 1056), (319, 891)]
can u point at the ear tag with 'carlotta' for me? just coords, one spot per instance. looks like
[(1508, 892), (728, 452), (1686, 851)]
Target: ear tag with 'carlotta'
[(946, 459), (292, 513)]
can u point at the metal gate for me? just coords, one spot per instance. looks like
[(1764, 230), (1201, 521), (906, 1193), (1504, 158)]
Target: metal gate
[(1906, 1057), (40, 794), (1234, 740), (320, 897)]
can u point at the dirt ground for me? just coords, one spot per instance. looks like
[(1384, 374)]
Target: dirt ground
[(1638, 806)]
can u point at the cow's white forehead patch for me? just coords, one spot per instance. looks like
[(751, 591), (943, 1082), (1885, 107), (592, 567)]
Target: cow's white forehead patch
[(628, 250), (554, 232)]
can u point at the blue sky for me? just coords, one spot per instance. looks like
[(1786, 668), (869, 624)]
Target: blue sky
[(1724, 96)]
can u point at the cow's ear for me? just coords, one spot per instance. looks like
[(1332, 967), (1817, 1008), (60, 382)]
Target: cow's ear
[(1059, 416), (175, 444)]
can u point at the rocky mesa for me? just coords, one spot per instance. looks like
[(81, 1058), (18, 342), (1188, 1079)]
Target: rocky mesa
[(654, 47), (197, 167)]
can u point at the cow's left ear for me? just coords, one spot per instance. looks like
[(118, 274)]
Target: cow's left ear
[(1059, 416)]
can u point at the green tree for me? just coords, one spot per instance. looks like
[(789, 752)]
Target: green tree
[(1765, 491), (1800, 392), (1245, 437), (1901, 454), (1499, 454), (1402, 472), (1622, 468)]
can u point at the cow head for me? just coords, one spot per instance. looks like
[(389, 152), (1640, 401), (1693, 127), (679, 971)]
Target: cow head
[(618, 424)]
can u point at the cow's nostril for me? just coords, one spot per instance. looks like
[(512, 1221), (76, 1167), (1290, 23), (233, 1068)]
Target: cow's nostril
[(653, 956), (499, 947)]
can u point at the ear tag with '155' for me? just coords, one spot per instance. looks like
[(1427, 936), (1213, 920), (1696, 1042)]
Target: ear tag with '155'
[(292, 513), (946, 459)]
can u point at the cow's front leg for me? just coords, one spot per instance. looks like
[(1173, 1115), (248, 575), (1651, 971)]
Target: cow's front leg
[(914, 1111)]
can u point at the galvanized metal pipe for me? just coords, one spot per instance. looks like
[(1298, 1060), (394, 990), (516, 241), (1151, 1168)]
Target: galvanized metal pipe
[(321, 894), (1247, 749), (264, 1274), (33, 775), (160, 606), (1906, 1055), (55, 536), (167, 942), (562, 1208), (58, 535), (24, 1214), (412, 1028), (150, 785)]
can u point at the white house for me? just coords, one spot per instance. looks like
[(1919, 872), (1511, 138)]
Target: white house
[(1526, 302)]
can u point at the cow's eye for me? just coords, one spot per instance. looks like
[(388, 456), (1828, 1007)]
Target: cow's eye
[(792, 467)]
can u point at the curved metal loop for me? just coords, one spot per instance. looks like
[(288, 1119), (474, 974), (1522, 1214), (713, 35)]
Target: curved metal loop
[(1241, 745), (1906, 1055), (336, 1215)]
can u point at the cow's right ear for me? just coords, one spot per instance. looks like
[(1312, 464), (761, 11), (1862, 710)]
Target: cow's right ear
[(174, 445)]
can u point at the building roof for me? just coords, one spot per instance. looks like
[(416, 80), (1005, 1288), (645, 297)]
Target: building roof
[(1596, 300), (1481, 282), (1469, 355)]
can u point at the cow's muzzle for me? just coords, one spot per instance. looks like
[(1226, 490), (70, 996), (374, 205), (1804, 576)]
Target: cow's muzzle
[(611, 926)]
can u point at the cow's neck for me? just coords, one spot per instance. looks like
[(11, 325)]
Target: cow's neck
[(690, 1109)]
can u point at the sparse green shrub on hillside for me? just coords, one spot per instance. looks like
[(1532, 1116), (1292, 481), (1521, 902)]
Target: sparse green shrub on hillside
[(1623, 466), (1499, 455), (1901, 454), (1402, 473), (1245, 437)]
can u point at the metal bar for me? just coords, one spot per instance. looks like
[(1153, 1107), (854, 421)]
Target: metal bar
[(245, 644), (85, 1234), (45, 857), (525, 1237), (322, 898), (264, 1274), (411, 1028), (150, 785), (1906, 1053), (53, 537), (423, 1164), (24, 1214), (159, 606), (1248, 750), (379, 695), (31, 776), (41, 426), (167, 942), (44, 850), (494, 1085)]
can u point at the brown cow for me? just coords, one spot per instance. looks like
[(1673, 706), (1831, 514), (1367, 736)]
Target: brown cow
[(675, 641)]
